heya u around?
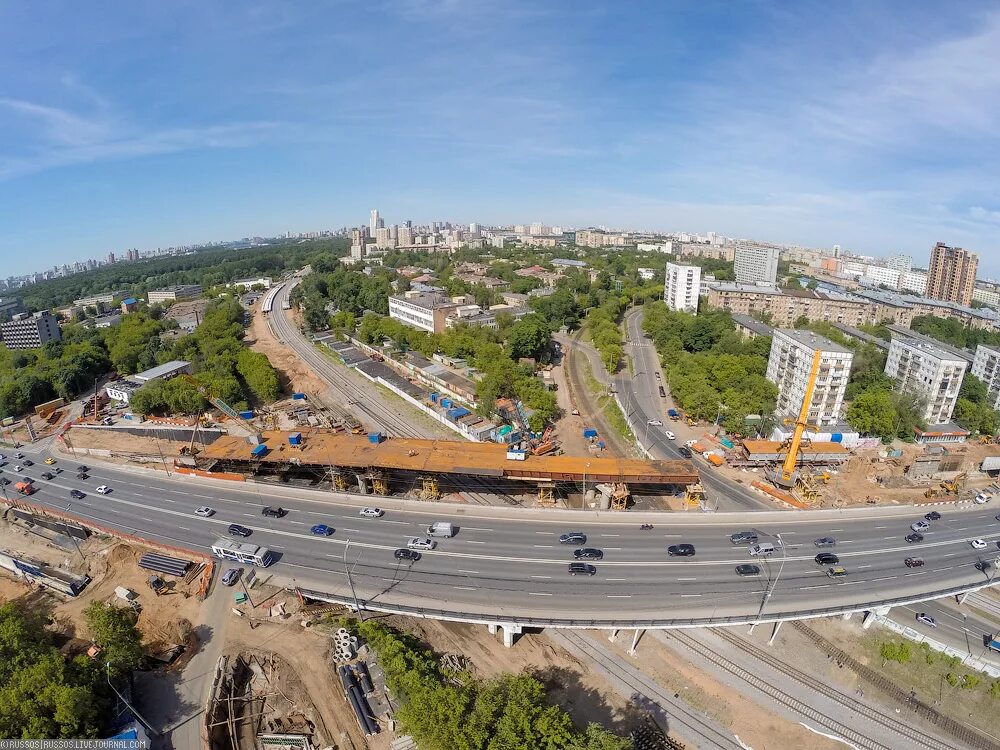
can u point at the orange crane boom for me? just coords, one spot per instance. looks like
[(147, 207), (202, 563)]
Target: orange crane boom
[(787, 478)]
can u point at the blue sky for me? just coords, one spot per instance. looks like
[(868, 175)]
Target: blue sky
[(873, 125)]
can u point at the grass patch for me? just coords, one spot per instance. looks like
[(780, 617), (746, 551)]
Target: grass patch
[(606, 402)]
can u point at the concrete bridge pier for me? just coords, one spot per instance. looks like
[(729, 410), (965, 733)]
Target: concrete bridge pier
[(635, 641), (774, 632), (872, 614), (362, 483), (492, 628), (847, 615), (509, 631), (614, 635)]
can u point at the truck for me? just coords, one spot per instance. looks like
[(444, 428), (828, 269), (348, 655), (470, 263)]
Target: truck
[(994, 644), (673, 414), (25, 488), (441, 528)]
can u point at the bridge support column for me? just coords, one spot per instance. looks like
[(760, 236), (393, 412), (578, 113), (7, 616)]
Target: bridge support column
[(872, 614), (774, 632), (961, 599), (614, 635), (847, 615), (509, 631), (752, 626), (492, 628), (635, 641), (362, 483)]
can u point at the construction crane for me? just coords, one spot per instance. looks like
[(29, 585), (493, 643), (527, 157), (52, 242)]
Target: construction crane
[(788, 476), (221, 405)]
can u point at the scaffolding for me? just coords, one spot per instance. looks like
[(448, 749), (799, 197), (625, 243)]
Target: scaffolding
[(429, 489)]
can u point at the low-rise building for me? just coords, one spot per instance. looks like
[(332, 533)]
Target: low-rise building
[(927, 371), (786, 306), (751, 328), (174, 293), (425, 311), (790, 367), (27, 331), (130, 305), (245, 284), (164, 372), (648, 274)]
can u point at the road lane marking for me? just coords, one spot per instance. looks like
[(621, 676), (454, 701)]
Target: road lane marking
[(689, 596), (687, 579), (884, 578), (472, 572), (537, 593), (542, 545), (465, 588), (541, 576), (619, 596), (473, 528), (609, 534)]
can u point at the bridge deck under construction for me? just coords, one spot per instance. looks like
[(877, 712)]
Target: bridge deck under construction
[(328, 450)]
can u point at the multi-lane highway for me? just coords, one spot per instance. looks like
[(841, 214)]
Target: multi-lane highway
[(507, 563)]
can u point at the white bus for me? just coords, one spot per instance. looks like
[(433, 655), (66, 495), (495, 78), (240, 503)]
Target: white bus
[(244, 552)]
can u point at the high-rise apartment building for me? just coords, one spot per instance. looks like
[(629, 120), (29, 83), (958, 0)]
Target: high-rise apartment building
[(27, 331), (682, 287), (951, 274), (111, 259), (901, 263), (790, 365), (927, 371), (405, 236), (374, 223), (986, 367), (756, 265)]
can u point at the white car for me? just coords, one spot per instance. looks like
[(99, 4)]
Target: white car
[(19, 468), (655, 423), (670, 435), (103, 489), (689, 443), (927, 620), (920, 526), (420, 543), (982, 497), (371, 512), (978, 544), (205, 512)]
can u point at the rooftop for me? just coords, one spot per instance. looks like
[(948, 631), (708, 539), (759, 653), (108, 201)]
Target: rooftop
[(426, 300), (161, 371), (752, 324), (947, 350), (813, 340)]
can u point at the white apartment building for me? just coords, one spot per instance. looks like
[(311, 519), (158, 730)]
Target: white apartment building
[(913, 281), (27, 331), (882, 275), (756, 265), (901, 263), (986, 367), (790, 365), (928, 372), (174, 293), (426, 311), (682, 287), (647, 274), (986, 296)]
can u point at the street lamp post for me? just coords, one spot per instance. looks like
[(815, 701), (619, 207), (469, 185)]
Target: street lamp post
[(350, 581), (769, 589)]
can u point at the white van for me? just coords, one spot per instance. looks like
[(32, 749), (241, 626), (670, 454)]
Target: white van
[(441, 528), (764, 549)]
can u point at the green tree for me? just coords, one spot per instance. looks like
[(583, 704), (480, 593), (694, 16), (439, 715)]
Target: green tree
[(528, 337), (257, 372), (873, 413), (113, 629)]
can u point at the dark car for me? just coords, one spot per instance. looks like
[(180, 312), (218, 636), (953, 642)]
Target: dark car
[(273, 512), (77, 494), (914, 562), (588, 553), (407, 554), (236, 530), (984, 566), (663, 393), (321, 529), (747, 570), (827, 558), (681, 550), (743, 537), (83, 475), (4, 481), (825, 541), (28, 462), (47, 475), (684, 451), (573, 537), (81, 467), (933, 516), (914, 537), (581, 569)]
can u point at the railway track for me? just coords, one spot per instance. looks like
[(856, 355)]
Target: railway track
[(689, 723), (802, 708)]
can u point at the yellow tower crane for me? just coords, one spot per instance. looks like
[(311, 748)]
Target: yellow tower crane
[(788, 475)]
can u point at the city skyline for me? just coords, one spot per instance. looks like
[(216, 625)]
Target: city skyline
[(138, 126)]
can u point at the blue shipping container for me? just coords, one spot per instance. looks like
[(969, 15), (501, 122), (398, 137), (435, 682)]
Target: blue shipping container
[(295, 438), (259, 450), (446, 403), (298, 396), (375, 437), (434, 398), (590, 433), (246, 415), (837, 437)]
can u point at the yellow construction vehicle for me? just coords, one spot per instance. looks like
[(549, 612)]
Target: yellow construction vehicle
[(787, 477), (955, 485), (694, 494)]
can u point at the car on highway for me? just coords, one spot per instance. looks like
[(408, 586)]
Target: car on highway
[(933, 516), (231, 576), (913, 538), (681, 550), (371, 512), (743, 537), (19, 468), (406, 554), (978, 543), (684, 451), (82, 475), (926, 619), (998, 516), (983, 566), (657, 374), (919, 526), (763, 549), (573, 537), (418, 542), (914, 562), (4, 481), (582, 569), (982, 497), (663, 393), (827, 558), (50, 461), (321, 529), (670, 435), (588, 553), (204, 511), (77, 494), (83, 468), (48, 475), (272, 511), (18, 455), (837, 572), (747, 570), (28, 462), (654, 422), (236, 530), (825, 541), (103, 489)]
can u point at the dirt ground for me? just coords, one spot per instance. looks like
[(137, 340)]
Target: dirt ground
[(124, 447), (294, 374)]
